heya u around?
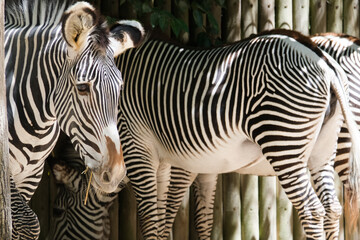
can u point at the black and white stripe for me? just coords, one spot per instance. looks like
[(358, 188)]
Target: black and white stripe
[(60, 74), (200, 109), (25, 223), (345, 50), (72, 218)]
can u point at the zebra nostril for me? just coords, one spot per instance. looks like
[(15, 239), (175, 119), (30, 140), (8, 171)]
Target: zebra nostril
[(106, 177)]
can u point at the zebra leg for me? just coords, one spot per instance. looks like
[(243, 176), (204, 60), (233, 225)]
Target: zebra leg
[(24, 220), (204, 190), (295, 181), (289, 159), (323, 179), (350, 180), (180, 181), (142, 176), (163, 181), (321, 166)]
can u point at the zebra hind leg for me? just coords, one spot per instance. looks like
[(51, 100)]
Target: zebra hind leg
[(323, 179), (204, 190), (163, 181), (321, 166), (295, 181)]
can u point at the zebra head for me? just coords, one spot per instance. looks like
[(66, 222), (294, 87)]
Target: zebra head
[(87, 92)]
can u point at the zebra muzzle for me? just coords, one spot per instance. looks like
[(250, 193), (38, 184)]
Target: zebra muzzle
[(113, 170)]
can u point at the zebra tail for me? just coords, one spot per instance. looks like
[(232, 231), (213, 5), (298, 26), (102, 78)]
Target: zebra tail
[(338, 85)]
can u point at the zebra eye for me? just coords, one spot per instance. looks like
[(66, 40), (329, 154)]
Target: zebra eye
[(83, 88)]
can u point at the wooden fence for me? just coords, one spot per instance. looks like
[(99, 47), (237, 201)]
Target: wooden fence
[(247, 207)]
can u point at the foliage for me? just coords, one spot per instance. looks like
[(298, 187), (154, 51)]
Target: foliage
[(199, 13)]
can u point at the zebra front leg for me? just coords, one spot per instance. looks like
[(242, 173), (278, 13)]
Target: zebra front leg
[(204, 190), (25, 223), (180, 181), (142, 176)]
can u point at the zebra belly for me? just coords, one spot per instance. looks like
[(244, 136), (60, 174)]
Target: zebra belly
[(242, 156)]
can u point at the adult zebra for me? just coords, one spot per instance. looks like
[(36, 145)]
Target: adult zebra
[(265, 97), (345, 50), (60, 74)]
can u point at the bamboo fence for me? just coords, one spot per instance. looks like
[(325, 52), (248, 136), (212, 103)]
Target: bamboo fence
[(246, 207)]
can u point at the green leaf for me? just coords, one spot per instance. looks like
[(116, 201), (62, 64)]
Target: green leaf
[(111, 20), (213, 23), (198, 18), (177, 25), (163, 22), (146, 8), (154, 19), (221, 3)]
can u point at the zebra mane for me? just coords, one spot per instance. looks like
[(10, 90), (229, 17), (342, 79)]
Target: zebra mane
[(304, 40), (24, 13), (353, 39), (35, 12)]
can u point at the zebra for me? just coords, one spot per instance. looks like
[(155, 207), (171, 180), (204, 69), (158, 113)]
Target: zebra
[(60, 74), (345, 49), (199, 109), (72, 217)]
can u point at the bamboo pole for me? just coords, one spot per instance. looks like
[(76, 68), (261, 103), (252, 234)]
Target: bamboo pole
[(267, 208), (249, 18), (249, 207), (284, 14), (301, 13), (267, 185), (217, 232), (248, 183), (232, 21), (298, 230), (317, 16), (127, 214), (266, 15), (351, 17), (192, 231), (335, 16), (232, 207), (5, 207), (181, 223), (231, 181), (284, 215), (114, 218)]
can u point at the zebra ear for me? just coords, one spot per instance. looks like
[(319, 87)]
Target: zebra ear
[(126, 34), (77, 22)]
